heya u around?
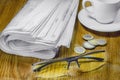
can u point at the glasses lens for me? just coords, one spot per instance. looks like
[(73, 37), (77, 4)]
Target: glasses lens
[(88, 64), (52, 70)]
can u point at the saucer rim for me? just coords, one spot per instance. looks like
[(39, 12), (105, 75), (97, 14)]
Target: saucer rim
[(100, 27)]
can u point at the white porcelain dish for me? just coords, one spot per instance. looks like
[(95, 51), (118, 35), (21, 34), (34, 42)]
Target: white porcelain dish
[(94, 25)]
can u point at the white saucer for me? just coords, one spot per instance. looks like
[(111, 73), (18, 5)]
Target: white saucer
[(94, 25)]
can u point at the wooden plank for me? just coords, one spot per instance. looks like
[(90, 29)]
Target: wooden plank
[(14, 67)]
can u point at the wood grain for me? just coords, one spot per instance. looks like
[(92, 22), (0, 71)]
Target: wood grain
[(14, 67)]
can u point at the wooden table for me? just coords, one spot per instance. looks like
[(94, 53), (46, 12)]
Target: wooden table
[(19, 68)]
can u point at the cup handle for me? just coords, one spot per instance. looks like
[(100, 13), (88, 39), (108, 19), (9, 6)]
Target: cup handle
[(91, 14)]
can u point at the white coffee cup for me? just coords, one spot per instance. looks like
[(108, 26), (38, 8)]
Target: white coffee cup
[(104, 11)]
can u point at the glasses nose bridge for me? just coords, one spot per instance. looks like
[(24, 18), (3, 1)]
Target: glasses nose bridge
[(73, 60)]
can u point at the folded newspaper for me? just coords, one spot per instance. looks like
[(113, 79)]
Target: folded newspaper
[(40, 28)]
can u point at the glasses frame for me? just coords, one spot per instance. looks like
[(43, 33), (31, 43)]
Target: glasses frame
[(69, 60)]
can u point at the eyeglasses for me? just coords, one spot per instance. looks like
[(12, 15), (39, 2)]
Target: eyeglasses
[(57, 67)]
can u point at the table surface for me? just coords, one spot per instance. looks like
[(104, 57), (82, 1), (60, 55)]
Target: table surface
[(14, 67)]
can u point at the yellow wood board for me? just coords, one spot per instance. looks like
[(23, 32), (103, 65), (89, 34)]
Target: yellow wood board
[(19, 68)]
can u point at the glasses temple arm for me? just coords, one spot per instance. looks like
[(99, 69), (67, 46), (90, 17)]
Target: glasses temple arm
[(96, 58), (39, 68), (89, 53), (48, 61)]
